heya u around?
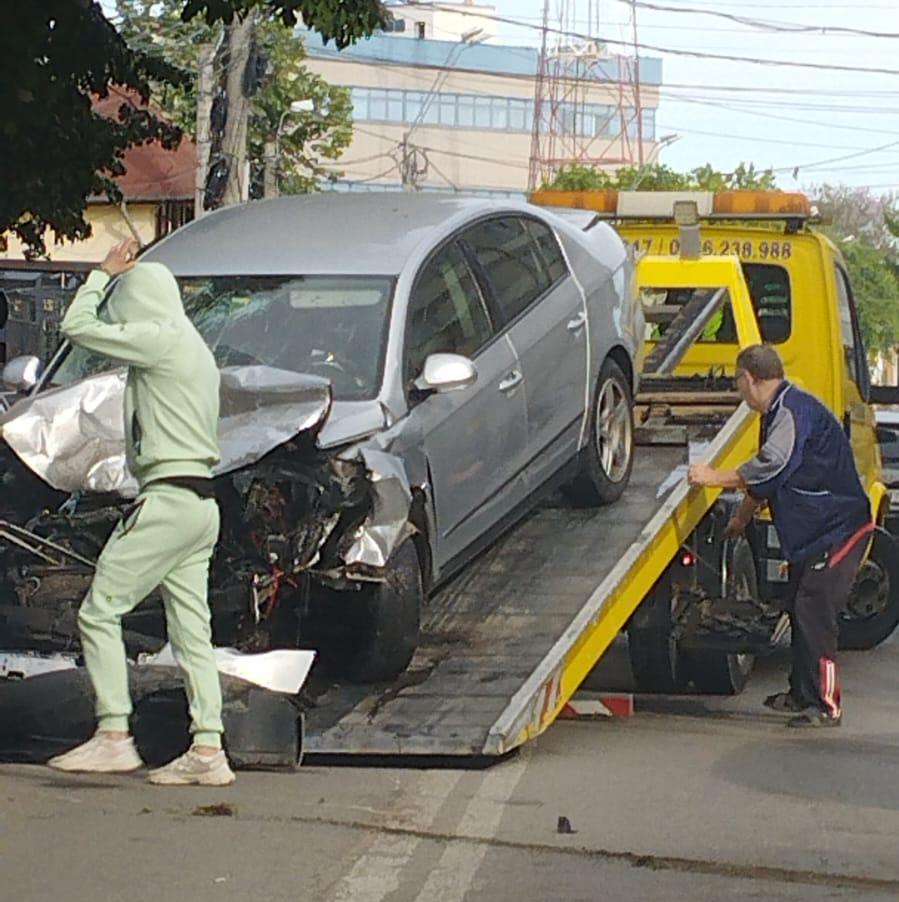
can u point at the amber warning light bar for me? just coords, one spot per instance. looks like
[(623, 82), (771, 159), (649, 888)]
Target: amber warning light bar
[(661, 204)]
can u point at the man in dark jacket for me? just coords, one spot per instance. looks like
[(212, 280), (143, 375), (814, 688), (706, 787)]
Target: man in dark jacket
[(805, 472)]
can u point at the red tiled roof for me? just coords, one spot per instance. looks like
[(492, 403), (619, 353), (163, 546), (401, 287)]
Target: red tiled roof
[(152, 172)]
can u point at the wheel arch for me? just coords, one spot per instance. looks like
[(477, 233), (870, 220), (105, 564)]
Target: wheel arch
[(619, 354)]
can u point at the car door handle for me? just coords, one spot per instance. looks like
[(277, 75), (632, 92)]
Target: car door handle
[(511, 381), (576, 324)]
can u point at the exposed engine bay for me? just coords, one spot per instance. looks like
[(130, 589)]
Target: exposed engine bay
[(298, 521)]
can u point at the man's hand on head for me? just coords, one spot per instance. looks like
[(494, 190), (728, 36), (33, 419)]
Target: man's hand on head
[(121, 258)]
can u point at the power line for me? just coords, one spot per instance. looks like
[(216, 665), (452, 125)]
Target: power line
[(790, 27), (674, 51)]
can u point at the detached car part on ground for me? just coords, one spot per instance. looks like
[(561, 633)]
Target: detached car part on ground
[(444, 412)]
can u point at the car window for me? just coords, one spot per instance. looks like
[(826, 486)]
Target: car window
[(888, 437), (769, 291), (548, 247), (853, 348), (446, 312), (511, 261), (329, 326)]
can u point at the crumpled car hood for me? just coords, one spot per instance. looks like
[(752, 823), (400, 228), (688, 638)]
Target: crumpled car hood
[(73, 437)]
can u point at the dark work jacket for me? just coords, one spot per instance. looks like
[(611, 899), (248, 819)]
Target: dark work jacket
[(806, 473)]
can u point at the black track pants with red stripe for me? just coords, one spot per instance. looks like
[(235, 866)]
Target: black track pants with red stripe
[(819, 592)]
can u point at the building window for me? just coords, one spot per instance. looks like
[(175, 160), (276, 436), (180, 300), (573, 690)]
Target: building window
[(514, 114), (171, 215), (420, 30)]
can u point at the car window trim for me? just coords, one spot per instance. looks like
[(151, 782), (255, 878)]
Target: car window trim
[(487, 285), (488, 310)]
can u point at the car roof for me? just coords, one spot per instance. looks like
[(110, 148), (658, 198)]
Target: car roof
[(371, 233)]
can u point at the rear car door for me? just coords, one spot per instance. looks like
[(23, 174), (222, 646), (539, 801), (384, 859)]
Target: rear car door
[(471, 436), (545, 316)]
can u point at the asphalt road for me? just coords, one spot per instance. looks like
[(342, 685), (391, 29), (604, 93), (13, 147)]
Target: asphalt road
[(690, 799)]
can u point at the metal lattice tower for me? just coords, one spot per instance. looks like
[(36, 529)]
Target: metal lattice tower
[(573, 74)]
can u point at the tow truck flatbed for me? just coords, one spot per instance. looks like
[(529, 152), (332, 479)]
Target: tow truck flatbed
[(508, 641)]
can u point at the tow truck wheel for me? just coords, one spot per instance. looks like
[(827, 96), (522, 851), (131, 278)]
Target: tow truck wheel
[(719, 673), (873, 609), (655, 658), (386, 620), (608, 457)]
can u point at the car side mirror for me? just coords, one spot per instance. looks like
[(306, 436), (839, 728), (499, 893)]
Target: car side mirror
[(446, 372), (21, 374)]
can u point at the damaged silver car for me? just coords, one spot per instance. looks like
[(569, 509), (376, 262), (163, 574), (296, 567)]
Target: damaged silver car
[(403, 376)]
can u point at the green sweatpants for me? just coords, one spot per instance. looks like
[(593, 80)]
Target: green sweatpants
[(165, 542)]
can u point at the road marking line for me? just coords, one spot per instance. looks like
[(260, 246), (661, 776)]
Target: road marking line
[(451, 879), (377, 873)]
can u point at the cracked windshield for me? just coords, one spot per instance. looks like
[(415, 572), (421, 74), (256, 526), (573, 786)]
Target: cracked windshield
[(329, 326)]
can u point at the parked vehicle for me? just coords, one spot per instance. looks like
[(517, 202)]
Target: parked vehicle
[(888, 439), (450, 359)]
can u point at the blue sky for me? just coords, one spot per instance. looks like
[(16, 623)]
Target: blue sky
[(783, 117)]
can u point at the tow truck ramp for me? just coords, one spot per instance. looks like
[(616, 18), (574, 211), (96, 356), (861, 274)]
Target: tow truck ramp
[(506, 644)]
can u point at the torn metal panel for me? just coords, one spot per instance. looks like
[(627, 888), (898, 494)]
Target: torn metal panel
[(283, 670), (74, 437), (388, 523)]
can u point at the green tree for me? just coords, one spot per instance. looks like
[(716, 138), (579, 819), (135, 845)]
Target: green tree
[(293, 145), (864, 226), (659, 177), (55, 152)]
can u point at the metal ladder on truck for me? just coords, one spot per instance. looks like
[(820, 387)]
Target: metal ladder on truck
[(507, 642)]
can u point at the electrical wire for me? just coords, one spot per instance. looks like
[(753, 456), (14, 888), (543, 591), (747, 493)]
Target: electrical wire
[(674, 51), (765, 25)]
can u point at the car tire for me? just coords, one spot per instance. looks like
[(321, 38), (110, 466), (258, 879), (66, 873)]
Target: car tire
[(873, 610), (386, 620), (720, 673), (608, 458)]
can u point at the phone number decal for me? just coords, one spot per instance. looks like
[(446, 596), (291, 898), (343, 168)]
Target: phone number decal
[(746, 250)]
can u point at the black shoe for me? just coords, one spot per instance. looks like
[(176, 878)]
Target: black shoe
[(815, 717), (784, 702)]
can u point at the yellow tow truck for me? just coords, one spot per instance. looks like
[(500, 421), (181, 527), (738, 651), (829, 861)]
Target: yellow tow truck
[(718, 271)]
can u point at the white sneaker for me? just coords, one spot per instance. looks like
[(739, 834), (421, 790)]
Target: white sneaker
[(100, 754), (192, 769)]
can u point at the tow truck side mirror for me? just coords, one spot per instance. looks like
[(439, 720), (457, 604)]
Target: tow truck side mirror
[(21, 374)]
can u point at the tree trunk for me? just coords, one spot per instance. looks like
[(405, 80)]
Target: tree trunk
[(239, 36), (205, 88)]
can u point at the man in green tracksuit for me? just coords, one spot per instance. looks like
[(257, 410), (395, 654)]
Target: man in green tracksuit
[(166, 541)]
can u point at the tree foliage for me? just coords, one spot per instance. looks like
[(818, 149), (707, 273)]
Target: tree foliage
[(343, 21), (303, 139), (659, 177), (865, 226), (55, 152)]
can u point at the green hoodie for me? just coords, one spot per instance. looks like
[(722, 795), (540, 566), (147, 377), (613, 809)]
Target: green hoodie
[(172, 391)]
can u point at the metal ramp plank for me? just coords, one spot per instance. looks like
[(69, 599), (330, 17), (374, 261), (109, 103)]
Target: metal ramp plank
[(484, 633), (508, 641)]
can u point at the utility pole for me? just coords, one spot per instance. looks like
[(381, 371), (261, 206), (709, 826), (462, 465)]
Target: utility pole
[(205, 87), (239, 37), (270, 169)]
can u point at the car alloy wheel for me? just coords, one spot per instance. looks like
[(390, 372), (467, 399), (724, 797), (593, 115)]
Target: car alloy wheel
[(614, 430)]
